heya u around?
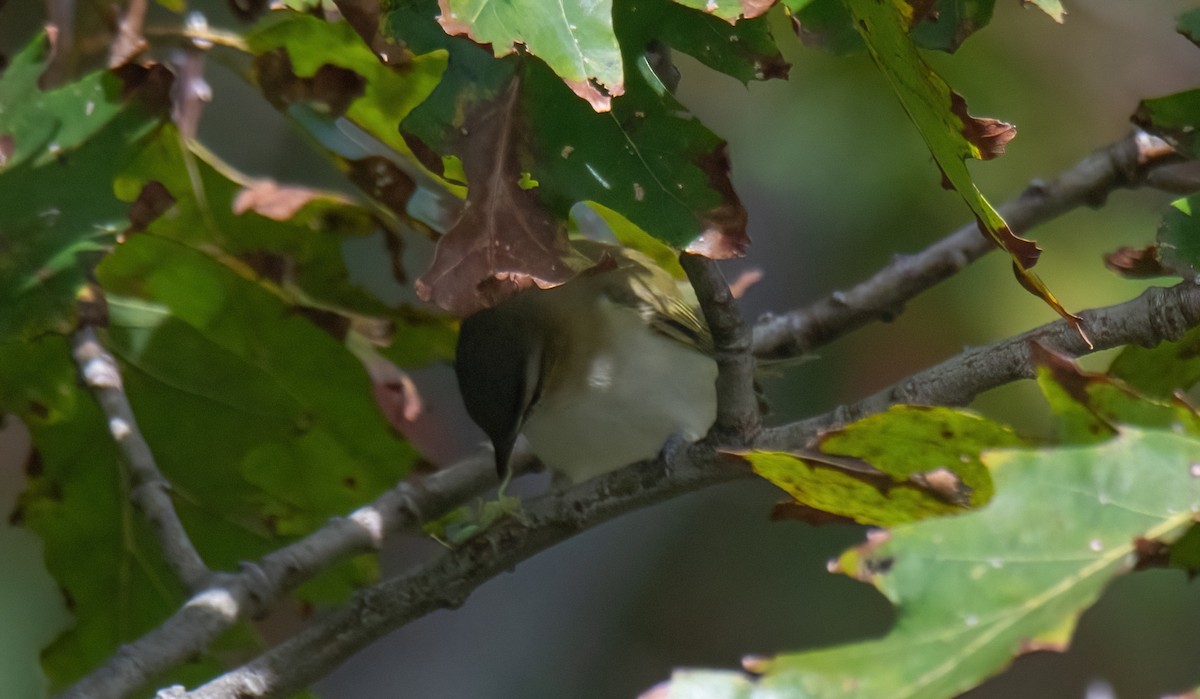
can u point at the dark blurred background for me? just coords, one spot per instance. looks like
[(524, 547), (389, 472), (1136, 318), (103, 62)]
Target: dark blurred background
[(836, 180)]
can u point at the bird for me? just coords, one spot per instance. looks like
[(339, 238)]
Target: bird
[(597, 373)]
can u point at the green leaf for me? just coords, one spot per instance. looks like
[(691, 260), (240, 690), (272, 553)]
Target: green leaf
[(264, 424), (389, 90), (229, 316), (746, 50), (949, 23), (56, 191), (100, 551), (1053, 8), (632, 237), (951, 134), (1092, 407), (944, 25), (646, 159), (1189, 25), (291, 237), (574, 38), (730, 10), (1176, 251), (900, 466), (1174, 118), (825, 24), (1162, 370), (974, 591), (299, 229), (220, 354), (1179, 237), (1184, 553)]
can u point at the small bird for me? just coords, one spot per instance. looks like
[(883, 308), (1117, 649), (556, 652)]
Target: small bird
[(597, 373)]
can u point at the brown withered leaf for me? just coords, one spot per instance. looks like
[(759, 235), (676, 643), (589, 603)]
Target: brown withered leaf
[(1136, 263), (153, 201), (865, 553), (274, 267), (8, 146), (944, 484), (744, 281), (363, 15), (1151, 553), (923, 11), (990, 136), (273, 200), (394, 391), (383, 181), (151, 84), (754, 8), (725, 237), (337, 325), (331, 89), (504, 241), (1065, 371)]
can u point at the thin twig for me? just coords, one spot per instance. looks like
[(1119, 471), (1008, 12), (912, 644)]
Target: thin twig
[(150, 490), (739, 419), (129, 40), (447, 581), (1129, 162)]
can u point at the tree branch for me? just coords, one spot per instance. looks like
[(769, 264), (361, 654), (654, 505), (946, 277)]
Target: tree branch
[(232, 597), (739, 419), (447, 581), (1131, 162), (150, 489), (1159, 313)]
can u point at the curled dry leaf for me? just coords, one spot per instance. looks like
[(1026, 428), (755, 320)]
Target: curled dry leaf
[(989, 136), (504, 241), (394, 391), (275, 201), (747, 279), (1136, 263), (725, 237)]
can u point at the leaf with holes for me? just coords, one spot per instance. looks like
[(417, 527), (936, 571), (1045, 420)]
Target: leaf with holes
[(575, 38), (504, 241), (646, 159), (59, 151), (900, 466), (974, 591)]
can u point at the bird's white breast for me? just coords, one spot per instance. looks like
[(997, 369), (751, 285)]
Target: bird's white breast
[(637, 388)]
